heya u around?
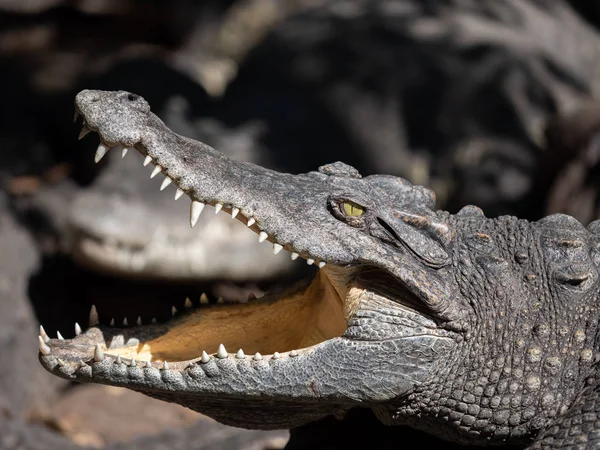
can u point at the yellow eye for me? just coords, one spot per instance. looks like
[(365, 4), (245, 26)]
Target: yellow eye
[(352, 209)]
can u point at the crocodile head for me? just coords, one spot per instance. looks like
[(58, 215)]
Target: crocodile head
[(397, 317)]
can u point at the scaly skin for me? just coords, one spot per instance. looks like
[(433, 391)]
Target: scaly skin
[(481, 331)]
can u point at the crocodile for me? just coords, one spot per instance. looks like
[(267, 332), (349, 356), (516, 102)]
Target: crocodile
[(480, 331)]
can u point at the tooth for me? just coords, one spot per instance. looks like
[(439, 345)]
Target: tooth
[(294, 353), (132, 362), (294, 255), (59, 336), (118, 361), (94, 320), (84, 132), (234, 212), (240, 354), (138, 322), (148, 364), (44, 349), (218, 207), (100, 152), (188, 302), (61, 362), (173, 310), (153, 321), (112, 322), (156, 171), (277, 248), (125, 323), (167, 181), (322, 264), (77, 329), (44, 335), (251, 221), (220, 300), (75, 116), (309, 261), (262, 237), (166, 365), (178, 194), (124, 152), (195, 211), (276, 355), (257, 356), (203, 299), (205, 357), (221, 352), (147, 160), (98, 353)]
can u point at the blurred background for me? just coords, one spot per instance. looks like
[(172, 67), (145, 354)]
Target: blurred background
[(488, 102)]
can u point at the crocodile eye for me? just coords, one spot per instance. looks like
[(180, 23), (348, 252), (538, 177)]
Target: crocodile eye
[(351, 209)]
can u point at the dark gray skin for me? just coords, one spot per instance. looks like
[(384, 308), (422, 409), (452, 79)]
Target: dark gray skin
[(480, 331)]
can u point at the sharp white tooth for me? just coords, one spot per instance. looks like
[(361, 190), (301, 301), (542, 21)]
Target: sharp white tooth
[(220, 300), (156, 171), (124, 152), (44, 335), (167, 181), (94, 320), (294, 353), (188, 303), (322, 264), (294, 255), (205, 357), (148, 364), (132, 363), (195, 211), (147, 160), (77, 329), (112, 322), (166, 365), (309, 261), (118, 361), (262, 237), (178, 194), (61, 363), (277, 248), (276, 355), (59, 336), (173, 310), (138, 322), (218, 207), (98, 353), (75, 116), (84, 132), (221, 352), (234, 212), (257, 356), (44, 349), (203, 299), (240, 354), (251, 221), (100, 152), (153, 321), (125, 323)]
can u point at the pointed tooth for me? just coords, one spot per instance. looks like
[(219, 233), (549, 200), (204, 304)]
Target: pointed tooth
[(294, 353), (322, 264), (178, 194), (188, 303), (132, 363), (310, 261), (118, 361), (277, 248), (173, 310), (147, 160), (240, 354), (294, 255), (44, 349), (125, 323), (84, 132), (138, 322), (148, 364), (77, 329), (98, 353), (61, 362), (124, 152), (100, 152), (251, 221), (257, 357), (262, 237), (112, 322), (94, 319), (221, 352), (59, 336), (234, 212), (156, 171), (203, 299), (276, 355), (205, 357), (75, 116), (167, 181), (153, 321), (220, 300), (218, 207), (44, 335), (195, 211)]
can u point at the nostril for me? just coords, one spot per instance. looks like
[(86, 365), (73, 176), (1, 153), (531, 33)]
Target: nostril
[(132, 97)]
